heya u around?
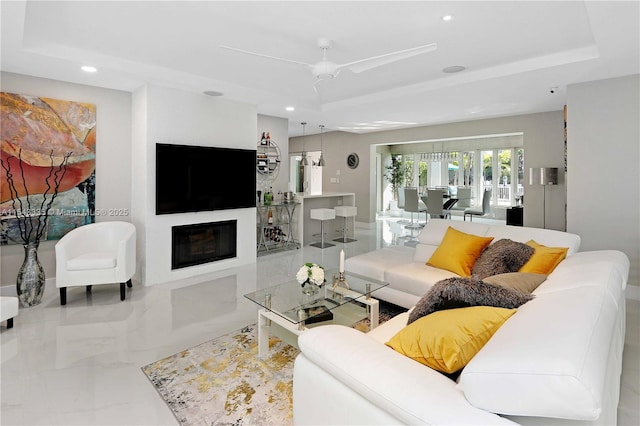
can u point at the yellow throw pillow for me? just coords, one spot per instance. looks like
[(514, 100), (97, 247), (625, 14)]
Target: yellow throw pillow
[(447, 340), (458, 252), (544, 259)]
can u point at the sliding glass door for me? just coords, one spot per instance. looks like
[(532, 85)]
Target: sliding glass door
[(500, 170)]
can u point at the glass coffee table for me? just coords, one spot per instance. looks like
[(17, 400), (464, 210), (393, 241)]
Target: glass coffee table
[(286, 305)]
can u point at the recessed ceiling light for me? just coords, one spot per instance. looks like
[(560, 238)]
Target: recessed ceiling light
[(453, 69), (212, 93), (290, 108), (87, 68), (447, 17)]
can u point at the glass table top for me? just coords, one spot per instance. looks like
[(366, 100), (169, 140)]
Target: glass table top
[(288, 301)]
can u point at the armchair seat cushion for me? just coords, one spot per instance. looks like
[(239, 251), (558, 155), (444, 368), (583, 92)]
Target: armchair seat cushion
[(90, 261)]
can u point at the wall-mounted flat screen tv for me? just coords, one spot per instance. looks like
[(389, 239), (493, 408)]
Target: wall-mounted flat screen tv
[(201, 178)]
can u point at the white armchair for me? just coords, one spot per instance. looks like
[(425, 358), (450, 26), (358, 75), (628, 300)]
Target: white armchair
[(98, 253)]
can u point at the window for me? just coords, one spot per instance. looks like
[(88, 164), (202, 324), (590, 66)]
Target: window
[(504, 181), (423, 169), (467, 161), (473, 164)]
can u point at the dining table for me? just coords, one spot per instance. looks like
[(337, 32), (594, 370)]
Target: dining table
[(447, 203)]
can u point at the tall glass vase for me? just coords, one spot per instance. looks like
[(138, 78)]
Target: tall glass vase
[(30, 283)]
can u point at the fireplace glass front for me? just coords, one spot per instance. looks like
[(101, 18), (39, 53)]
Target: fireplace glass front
[(202, 243)]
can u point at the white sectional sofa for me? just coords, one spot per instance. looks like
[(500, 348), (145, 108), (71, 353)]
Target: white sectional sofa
[(557, 360), (404, 267)]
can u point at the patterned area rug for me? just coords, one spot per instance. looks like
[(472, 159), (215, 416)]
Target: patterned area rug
[(223, 382)]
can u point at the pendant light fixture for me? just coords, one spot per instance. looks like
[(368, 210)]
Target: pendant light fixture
[(321, 160), (305, 162)]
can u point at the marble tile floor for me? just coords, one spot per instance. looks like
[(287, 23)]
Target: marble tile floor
[(80, 364)]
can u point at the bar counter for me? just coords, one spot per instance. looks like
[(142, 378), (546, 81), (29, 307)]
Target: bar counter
[(333, 228)]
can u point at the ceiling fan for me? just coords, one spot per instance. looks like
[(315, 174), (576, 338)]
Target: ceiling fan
[(325, 69)]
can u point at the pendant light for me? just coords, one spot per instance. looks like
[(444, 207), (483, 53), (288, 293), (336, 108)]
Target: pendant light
[(321, 160), (305, 162)]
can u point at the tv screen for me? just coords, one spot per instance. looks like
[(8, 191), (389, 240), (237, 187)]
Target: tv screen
[(198, 178)]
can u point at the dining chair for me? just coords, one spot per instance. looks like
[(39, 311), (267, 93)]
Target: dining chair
[(434, 203), (412, 204), (464, 197), (401, 205), (447, 206), (484, 209)]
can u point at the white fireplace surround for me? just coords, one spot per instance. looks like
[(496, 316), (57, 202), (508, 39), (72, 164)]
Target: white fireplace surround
[(173, 116)]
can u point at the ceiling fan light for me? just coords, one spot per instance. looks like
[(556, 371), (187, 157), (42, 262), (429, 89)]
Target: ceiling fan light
[(324, 70)]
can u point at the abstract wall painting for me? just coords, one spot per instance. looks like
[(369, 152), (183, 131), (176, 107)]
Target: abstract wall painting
[(38, 133)]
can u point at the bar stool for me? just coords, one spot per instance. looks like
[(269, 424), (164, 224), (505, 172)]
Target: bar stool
[(345, 212), (322, 215)]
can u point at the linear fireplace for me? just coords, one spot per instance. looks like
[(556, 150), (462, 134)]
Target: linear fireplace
[(202, 243)]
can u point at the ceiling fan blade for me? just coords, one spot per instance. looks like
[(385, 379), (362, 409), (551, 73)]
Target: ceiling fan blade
[(387, 58), (264, 56)]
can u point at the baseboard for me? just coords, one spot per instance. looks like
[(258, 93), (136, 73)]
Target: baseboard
[(364, 225), (10, 289)]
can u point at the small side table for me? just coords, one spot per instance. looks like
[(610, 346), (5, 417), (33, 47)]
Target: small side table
[(515, 216)]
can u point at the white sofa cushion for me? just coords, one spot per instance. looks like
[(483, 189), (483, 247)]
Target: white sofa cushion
[(374, 263), (423, 252), (603, 268), (434, 230), (415, 278), (539, 363), (388, 329)]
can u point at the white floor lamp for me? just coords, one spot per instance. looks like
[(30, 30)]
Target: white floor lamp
[(543, 176)]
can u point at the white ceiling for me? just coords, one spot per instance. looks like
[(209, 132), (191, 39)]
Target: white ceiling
[(513, 51)]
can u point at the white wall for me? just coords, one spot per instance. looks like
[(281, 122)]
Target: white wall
[(543, 136), (603, 166), (113, 156), (336, 146), (174, 116)]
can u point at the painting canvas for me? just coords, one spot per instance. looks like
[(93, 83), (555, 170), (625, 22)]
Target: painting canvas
[(37, 134)]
